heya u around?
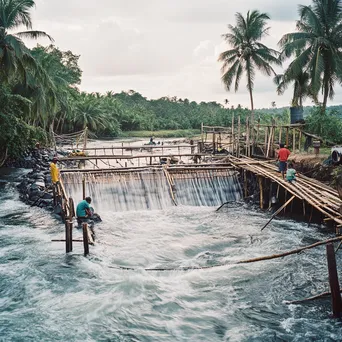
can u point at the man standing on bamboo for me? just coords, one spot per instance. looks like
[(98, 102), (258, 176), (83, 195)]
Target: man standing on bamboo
[(283, 155)]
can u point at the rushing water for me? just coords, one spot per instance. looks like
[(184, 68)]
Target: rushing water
[(46, 295)]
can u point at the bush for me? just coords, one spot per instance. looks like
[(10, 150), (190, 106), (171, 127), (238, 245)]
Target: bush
[(327, 125), (18, 137)]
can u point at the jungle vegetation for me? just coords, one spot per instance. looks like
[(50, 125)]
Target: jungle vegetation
[(40, 87)]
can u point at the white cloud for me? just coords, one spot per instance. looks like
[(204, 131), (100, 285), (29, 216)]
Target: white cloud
[(160, 47)]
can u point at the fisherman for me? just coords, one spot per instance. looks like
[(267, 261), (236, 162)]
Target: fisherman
[(283, 155), (152, 141), (55, 175), (84, 212)]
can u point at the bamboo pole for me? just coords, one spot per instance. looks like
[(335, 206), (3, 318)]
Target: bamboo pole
[(232, 137), (238, 137), (83, 188), (280, 134), (202, 134), (266, 139), (169, 181), (287, 137), (269, 142), (85, 239), (245, 183), (319, 296), (278, 211), (68, 247), (257, 135), (261, 193), (294, 140), (247, 137), (294, 251), (333, 281)]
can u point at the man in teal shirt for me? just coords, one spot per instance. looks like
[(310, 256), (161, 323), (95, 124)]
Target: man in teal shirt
[(84, 213), (83, 208)]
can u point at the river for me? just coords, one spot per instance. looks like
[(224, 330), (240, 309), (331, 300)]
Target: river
[(46, 295)]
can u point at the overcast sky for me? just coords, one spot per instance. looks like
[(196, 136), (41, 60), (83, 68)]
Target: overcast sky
[(161, 47)]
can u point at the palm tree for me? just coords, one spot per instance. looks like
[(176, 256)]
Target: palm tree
[(248, 54), (88, 112), (15, 57), (319, 42), (301, 88)]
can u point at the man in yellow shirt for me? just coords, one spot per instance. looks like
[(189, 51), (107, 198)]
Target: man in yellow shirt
[(54, 170)]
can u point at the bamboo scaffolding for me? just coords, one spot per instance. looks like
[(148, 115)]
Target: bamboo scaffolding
[(128, 156), (170, 183), (318, 195)]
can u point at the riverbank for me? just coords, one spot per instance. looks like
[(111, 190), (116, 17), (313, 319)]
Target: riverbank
[(178, 133)]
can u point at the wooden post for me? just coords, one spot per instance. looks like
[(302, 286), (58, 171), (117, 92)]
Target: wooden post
[(68, 245), (269, 142), (266, 137), (294, 140), (238, 138), (247, 138), (287, 137), (280, 134), (150, 160), (71, 209), (257, 135), (83, 188), (85, 239), (261, 193), (214, 142), (272, 140), (232, 138), (333, 281), (71, 226), (122, 149), (245, 183), (299, 142)]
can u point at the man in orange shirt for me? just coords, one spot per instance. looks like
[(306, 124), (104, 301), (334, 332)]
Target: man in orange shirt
[(283, 155)]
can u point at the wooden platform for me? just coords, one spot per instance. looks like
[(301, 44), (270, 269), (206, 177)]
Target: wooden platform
[(322, 197)]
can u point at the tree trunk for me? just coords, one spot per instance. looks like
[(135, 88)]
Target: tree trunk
[(325, 96)]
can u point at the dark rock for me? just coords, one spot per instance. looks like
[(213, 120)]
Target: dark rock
[(47, 196), (40, 184), (39, 175), (46, 202)]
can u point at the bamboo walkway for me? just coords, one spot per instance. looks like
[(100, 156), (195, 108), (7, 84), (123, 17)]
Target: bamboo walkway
[(320, 196)]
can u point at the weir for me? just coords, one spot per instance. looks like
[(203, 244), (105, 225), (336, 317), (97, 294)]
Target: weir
[(153, 190)]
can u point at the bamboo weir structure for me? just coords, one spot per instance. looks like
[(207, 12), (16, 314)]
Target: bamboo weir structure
[(220, 152), (231, 161)]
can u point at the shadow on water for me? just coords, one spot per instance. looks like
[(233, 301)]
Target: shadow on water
[(46, 295)]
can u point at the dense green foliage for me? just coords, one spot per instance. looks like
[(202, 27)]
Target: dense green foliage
[(39, 91), (327, 125)]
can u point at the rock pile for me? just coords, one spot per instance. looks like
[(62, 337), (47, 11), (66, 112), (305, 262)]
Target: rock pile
[(36, 187)]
